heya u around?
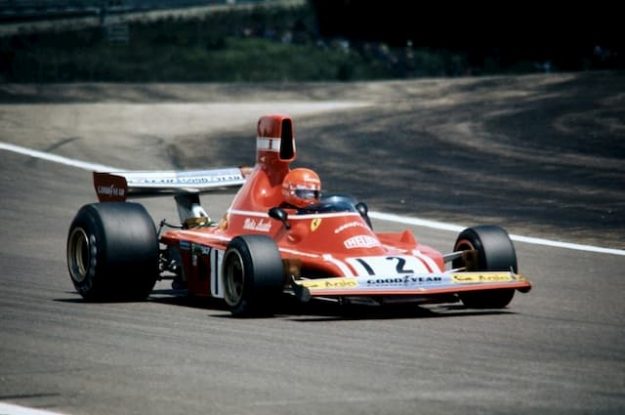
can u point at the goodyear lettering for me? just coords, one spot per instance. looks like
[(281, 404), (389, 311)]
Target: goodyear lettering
[(111, 190), (405, 280), (188, 180)]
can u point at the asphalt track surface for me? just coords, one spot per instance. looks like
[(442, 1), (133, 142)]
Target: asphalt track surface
[(558, 350)]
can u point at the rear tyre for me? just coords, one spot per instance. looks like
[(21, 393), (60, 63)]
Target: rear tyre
[(253, 275), (112, 252), (494, 252)]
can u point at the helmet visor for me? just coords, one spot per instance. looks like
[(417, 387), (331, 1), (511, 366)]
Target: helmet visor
[(307, 194)]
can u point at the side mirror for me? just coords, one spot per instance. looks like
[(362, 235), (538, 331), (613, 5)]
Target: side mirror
[(281, 215), (363, 209)]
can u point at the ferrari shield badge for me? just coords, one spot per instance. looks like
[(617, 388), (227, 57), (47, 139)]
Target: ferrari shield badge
[(314, 224)]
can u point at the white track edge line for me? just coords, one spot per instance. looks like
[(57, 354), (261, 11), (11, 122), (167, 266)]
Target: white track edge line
[(389, 217), (57, 159), (10, 409)]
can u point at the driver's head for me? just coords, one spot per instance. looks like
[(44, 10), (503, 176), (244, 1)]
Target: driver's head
[(301, 188)]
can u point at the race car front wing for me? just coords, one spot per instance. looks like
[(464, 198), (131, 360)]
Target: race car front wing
[(409, 285)]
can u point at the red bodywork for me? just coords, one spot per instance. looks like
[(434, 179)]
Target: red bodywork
[(322, 247), (320, 244)]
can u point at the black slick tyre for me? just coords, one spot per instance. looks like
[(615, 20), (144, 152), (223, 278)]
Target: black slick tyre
[(112, 252), (253, 275), (494, 251)]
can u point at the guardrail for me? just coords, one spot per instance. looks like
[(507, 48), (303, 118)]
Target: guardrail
[(31, 16), (28, 10)]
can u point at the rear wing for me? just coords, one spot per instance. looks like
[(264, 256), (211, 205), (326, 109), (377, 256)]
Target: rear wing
[(186, 187), (122, 185)]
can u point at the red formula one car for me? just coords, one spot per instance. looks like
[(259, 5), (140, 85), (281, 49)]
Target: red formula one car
[(278, 237)]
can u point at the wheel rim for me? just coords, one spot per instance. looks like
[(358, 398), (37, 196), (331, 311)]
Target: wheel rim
[(78, 255), (234, 278), (466, 245)]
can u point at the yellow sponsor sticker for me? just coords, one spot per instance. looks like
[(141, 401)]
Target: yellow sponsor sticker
[(330, 283), (477, 277)]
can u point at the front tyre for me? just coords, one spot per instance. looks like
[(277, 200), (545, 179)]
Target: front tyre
[(253, 275), (112, 252), (492, 251)]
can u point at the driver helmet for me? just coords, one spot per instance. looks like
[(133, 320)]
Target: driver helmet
[(301, 188)]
